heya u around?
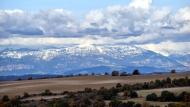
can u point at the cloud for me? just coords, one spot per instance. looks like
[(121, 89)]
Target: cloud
[(138, 20), (50, 41), (165, 48), (17, 22), (168, 47), (57, 22), (116, 21), (145, 4), (182, 20), (138, 23)]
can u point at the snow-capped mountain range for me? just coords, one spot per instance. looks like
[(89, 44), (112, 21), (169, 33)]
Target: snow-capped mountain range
[(88, 59)]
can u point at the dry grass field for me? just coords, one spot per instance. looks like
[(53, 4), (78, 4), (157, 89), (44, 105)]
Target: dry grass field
[(13, 88)]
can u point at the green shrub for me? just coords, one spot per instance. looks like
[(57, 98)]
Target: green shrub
[(118, 85), (5, 98), (133, 94), (124, 74), (26, 95), (167, 96), (136, 72), (46, 93), (138, 105), (115, 103), (173, 71), (115, 73), (152, 97)]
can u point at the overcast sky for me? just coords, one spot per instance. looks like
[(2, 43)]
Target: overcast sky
[(159, 25)]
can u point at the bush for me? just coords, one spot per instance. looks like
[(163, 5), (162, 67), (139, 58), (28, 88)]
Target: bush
[(107, 94), (115, 73), (88, 90), (167, 96), (46, 93), (99, 103), (19, 79), (129, 104), (26, 95), (93, 74), (123, 74), (29, 78), (136, 72), (173, 71), (115, 103), (61, 103), (5, 98), (138, 105), (15, 102), (158, 84), (118, 85), (184, 96), (168, 80), (125, 94), (106, 73), (152, 97), (133, 94)]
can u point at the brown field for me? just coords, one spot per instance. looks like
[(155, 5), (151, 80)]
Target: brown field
[(13, 88)]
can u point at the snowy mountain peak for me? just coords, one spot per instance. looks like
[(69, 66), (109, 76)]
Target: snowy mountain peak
[(91, 58), (48, 54)]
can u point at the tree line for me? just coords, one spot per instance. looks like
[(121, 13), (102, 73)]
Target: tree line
[(167, 96)]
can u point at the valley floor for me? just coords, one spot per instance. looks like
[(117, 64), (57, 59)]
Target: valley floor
[(13, 88)]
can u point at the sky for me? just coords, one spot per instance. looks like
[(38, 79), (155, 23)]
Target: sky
[(162, 26)]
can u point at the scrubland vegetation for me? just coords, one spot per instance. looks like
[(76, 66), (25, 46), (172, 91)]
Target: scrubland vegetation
[(121, 95)]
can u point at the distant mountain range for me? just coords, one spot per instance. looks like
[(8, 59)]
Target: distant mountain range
[(98, 59)]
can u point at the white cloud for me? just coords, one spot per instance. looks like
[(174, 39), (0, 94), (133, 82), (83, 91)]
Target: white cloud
[(183, 14), (160, 14), (182, 20), (168, 47), (165, 47), (17, 22), (50, 41), (116, 20), (139, 18), (57, 22), (145, 4), (138, 23), (152, 24)]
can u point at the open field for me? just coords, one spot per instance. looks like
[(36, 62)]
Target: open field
[(38, 98), (13, 88)]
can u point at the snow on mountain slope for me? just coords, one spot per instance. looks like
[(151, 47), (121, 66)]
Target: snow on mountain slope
[(48, 54), (78, 59), (181, 58)]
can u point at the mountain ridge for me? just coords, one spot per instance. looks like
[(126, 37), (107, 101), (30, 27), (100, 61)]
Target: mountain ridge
[(87, 59)]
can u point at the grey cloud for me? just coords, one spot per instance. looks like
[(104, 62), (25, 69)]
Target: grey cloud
[(17, 22), (149, 25), (117, 20), (25, 31), (56, 22), (133, 22)]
